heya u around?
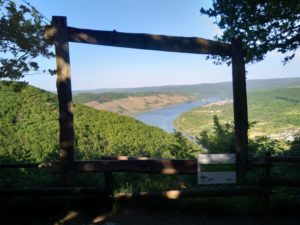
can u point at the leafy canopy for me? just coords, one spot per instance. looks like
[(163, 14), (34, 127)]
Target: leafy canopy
[(263, 25), (21, 40), (221, 140), (29, 130)]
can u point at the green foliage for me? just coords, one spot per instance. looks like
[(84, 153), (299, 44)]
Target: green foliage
[(182, 149), (21, 137), (276, 113), (263, 26), (29, 130), (22, 40), (294, 146), (221, 140), (262, 144)]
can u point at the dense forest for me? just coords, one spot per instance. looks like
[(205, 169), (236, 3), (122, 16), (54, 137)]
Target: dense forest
[(29, 130)]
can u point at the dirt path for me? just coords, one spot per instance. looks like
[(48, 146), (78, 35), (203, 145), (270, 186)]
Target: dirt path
[(142, 217), (76, 214)]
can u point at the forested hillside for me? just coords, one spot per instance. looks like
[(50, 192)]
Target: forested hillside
[(29, 130), (272, 112)]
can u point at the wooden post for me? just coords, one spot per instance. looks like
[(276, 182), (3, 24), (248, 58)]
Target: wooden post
[(64, 92), (268, 178), (240, 108), (109, 182)]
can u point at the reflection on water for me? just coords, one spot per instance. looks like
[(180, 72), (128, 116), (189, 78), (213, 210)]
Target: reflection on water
[(163, 118)]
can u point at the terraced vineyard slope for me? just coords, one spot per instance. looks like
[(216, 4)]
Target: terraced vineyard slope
[(130, 103)]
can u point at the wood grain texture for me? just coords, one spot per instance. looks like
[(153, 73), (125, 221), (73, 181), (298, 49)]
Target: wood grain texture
[(64, 91), (240, 108), (149, 41)]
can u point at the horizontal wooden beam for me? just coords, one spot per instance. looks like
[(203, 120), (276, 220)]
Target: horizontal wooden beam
[(176, 194), (52, 191), (147, 41), (162, 166), (172, 194), (285, 182), (257, 164), (285, 159), (19, 165), (121, 157)]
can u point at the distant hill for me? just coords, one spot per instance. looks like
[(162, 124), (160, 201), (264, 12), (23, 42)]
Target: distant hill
[(131, 103), (29, 130), (275, 112), (223, 89)]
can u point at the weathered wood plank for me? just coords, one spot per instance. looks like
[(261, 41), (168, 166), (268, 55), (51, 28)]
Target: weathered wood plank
[(257, 164), (149, 41), (122, 157), (162, 166), (64, 91), (268, 175), (240, 108), (285, 182), (172, 194), (285, 159), (19, 165), (52, 191), (55, 165), (176, 194)]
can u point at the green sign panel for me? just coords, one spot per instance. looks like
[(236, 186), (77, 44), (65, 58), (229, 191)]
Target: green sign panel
[(216, 169)]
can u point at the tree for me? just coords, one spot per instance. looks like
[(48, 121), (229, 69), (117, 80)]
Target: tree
[(21, 40), (263, 25), (221, 140)]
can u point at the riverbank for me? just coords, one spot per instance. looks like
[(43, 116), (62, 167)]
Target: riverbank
[(134, 105), (273, 113), (164, 117)]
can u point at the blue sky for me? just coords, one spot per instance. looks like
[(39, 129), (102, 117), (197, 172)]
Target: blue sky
[(109, 67)]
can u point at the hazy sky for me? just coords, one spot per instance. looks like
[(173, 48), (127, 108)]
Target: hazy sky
[(110, 67)]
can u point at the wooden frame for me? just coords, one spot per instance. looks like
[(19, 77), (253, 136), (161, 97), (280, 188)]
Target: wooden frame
[(62, 34), (148, 41)]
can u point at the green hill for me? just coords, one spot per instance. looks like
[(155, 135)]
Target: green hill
[(275, 113), (222, 89), (29, 130), (130, 103), (109, 96)]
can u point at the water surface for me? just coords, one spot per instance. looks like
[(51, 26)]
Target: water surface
[(163, 118)]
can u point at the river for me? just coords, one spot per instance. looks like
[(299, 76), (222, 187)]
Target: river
[(164, 117)]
